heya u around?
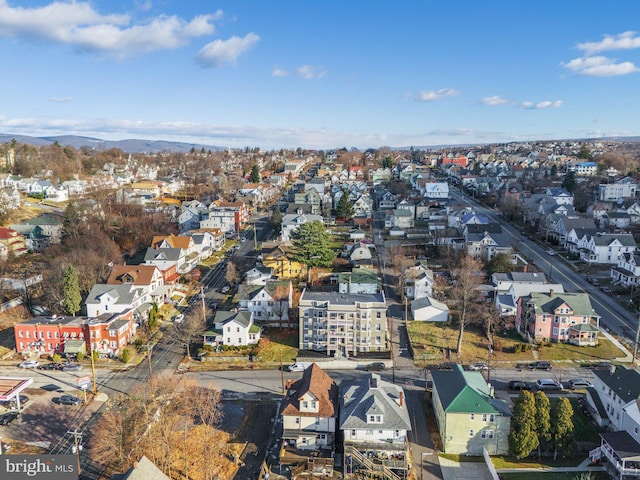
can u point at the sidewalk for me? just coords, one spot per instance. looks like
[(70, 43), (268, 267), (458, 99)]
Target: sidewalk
[(628, 358)]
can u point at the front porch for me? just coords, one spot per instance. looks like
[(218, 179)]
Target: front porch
[(583, 334), (621, 454)]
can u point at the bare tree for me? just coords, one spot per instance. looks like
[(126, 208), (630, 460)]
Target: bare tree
[(231, 275), (465, 295), (192, 328)]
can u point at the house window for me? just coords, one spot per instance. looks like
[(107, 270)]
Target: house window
[(484, 417), (483, 434), (378, 315), (297, 420), (48, 334), (21, 334), (492, 418), (353, 433), (471, 432), (490, 433), (472, 416), (305, 404)]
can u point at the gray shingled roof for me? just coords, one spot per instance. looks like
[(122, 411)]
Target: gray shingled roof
[(336, 298), (373, 396), (624, 381)]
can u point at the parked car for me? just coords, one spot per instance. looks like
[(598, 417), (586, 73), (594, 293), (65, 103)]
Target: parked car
[(299, 366), (548, 384), (67, 400), (606, 290), (72, 367), (29, 364), (447, 366), (50, 366), (478, 366), (579, 383), (540, 365), (375, 367), (519, 385), (551, 252), (213, 305), (7, 418), (598, 366), (225, 289), (178, 318)]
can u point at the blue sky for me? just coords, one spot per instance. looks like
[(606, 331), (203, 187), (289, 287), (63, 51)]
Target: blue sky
[(320, 74)]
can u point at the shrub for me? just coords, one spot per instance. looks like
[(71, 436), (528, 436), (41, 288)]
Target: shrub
[(126, 355), (55, 358), (80, 356)]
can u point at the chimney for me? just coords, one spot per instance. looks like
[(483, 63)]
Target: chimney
[(135, 464), (551, 293), (401, 399), (492, 391), (612, 369)]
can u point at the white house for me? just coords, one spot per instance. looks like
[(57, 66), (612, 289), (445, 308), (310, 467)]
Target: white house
[(292, 221), (258, 275), (233, 329), (268, 303), (627, 272), (309, 411), (438, 190), (418, 282), (604, 248), (428, 309), (623, 188), (104, 298)]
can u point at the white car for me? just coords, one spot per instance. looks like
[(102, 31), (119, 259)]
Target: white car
[(551, 252), (29, 364), (225, 289), (579, 383), (478, 366), (178, 318)]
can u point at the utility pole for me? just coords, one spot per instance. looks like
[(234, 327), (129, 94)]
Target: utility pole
[(255, 238), (204, 310), (281, 373), (149, 347), (77, 446), (93, 373), (635, 345)]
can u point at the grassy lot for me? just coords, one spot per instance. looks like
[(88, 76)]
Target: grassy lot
[(554, 476), (432, 340), (278, 343), (564, 351)]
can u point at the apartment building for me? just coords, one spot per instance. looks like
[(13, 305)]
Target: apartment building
[(341, 322)]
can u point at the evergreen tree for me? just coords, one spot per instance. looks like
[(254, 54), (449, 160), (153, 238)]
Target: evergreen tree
[(387, 162), (254, 176), (153, 317), (500, 263), (543, 419), (554, 170), (569, 181), (276, 219), (523, 438), (311, 245), (344, 209), (562, 425), (71, 291)]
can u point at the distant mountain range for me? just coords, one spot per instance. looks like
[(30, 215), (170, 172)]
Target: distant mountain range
[(133, 145)]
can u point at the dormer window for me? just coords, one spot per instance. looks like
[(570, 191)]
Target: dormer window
[(374, 419)]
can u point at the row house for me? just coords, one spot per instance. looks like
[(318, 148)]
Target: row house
[(269, 303), (107, 334), (627, 272), (559, 317), (605, 248), (345, 323)]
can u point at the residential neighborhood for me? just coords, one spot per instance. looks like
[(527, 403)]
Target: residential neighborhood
[(380, 313)]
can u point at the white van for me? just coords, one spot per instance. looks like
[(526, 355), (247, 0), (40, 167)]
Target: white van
[(299, 366)]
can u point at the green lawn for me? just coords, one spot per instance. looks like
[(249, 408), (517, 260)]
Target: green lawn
[(277, 344), (605, 350)]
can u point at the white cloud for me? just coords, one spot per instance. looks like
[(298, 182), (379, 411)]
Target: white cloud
[(310, 72), (495, 100), (61, 99), (278, 72), (541, 105), (219, 52), (599, 67), (623, 41), (77, 24), (433, 95)]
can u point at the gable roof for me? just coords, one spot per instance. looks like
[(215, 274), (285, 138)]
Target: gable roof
[(143, 469), (371, 395), (625, 382), (466, 392), (315, 381), (546, 303), (242, 318), (136, 274), (604, 239)]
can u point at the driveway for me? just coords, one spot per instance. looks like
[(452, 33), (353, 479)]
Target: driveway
[(461, 471)]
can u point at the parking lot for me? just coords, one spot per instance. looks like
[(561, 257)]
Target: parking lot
[(43, 422)]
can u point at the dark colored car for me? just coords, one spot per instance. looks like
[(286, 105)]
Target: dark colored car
[(7, 418), (67, 400), (599, 366), (540, 365), (375, 367), (519, 385), (72, 367), (446, 366), (51, 366)]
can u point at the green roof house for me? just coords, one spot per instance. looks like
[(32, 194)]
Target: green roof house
[(469, 416)]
